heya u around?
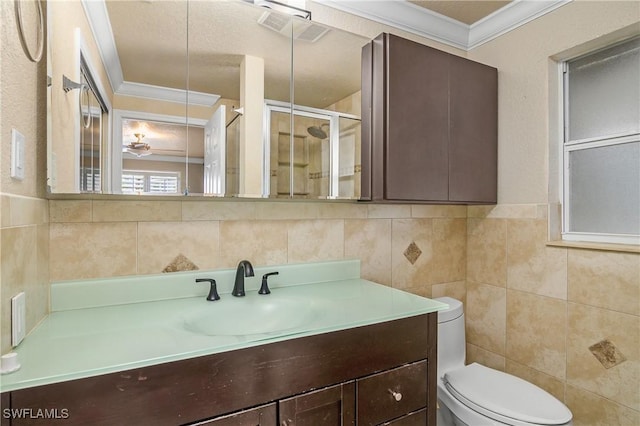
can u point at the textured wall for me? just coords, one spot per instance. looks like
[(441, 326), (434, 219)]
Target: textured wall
[(24, 215)]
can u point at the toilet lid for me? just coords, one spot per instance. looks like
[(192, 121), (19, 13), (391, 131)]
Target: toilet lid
[(502, 396)]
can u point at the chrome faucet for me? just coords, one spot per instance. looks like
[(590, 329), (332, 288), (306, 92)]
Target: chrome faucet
[(245, 269)]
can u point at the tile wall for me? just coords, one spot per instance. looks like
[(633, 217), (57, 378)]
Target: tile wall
[(24, 260), (97, 238), (535, 311), (532, 310)]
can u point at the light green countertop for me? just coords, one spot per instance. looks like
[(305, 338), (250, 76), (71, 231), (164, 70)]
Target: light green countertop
[(96, 332)]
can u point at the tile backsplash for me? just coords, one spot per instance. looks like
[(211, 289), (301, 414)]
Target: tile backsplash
[(532, 310)]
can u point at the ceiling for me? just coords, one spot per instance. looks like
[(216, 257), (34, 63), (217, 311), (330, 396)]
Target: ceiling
[(465, 11), (464, 24)]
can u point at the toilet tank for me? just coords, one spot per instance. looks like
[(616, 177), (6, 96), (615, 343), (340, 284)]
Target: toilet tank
[(451, 337)]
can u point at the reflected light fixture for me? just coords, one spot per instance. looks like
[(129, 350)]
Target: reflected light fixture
[(137, 147)]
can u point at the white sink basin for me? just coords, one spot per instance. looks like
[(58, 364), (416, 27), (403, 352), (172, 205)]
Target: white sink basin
[(239, 316)]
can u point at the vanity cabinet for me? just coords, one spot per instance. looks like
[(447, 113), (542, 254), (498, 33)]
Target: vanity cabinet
[(392, 394), (260, 416), (335, 405), (344, 377), (429, 125)]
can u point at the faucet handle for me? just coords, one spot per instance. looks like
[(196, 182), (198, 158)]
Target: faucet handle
[(264, 288), (213, 291)]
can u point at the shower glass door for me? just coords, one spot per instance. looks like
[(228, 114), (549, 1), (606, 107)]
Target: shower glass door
[(320, 159)]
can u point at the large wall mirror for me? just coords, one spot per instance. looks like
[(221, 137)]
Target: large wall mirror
[(220, 98)]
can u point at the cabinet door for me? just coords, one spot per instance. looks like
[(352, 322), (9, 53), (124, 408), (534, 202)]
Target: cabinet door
[(417, 131), (330, 406), (392, 394), (473, 145), (259, 416)]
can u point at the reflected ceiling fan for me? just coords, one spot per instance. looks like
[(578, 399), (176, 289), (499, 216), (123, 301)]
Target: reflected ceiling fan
[(137, 147)]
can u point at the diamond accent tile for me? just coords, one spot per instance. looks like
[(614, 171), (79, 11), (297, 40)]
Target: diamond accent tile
[(180, 263), (607, 353), (412, 253)]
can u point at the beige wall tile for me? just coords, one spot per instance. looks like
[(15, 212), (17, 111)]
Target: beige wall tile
[(457, 290), (605, 279), (536, 332), (589, 325), (218, 210), (504, 211), (370, 241), (486, 316), (487, 248), (136, 211), (342, 211), (262, 242), (5, 210), (159, 243), (92, 250), (314, 240), (448, 261), (38, 290), (592, 410), (531, 265), (287, 210), (433, 211), (484, 357), (27, 211), (404, 232), (18, 271), (388, 211), (549, 383), (70, 211), (420, 290)]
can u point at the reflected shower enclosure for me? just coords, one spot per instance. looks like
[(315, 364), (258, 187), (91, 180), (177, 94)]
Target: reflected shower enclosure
[(319, 159)]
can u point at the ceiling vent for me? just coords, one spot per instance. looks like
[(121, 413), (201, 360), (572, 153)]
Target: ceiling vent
[(302, 30)]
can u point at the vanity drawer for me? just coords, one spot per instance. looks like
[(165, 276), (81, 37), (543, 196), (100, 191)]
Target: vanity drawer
[(418, 418), (391, 394)]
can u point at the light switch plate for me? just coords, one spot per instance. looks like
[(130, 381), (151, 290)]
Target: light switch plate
[(18, 318), (17, 155)]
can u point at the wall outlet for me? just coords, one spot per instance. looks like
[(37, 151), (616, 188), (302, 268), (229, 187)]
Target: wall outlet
[(17, 155), (18, 318)]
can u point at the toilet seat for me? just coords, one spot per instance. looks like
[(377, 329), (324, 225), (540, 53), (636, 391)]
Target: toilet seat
[(504, 398)]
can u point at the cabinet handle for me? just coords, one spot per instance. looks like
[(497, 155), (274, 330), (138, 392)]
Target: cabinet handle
[(396, 395)]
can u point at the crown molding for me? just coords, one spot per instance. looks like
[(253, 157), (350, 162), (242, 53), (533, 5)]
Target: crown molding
[(408, 17), (434, 26), (508, 18), (98, 18), (168, 94)]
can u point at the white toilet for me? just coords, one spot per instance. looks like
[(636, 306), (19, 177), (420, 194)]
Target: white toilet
[(476, 395)]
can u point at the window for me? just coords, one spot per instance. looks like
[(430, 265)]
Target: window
[(601, 149), (150, 182)]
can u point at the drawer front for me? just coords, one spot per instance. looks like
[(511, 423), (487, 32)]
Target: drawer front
[(418, 418), (391, 394), (260, 416)]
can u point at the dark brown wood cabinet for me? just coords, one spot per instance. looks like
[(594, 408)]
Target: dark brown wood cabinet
[(260, 416), (294, 382), (392, 394), (429, 123), (335, 405)]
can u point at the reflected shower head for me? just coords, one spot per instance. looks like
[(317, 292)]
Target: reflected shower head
[(317, 132)]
